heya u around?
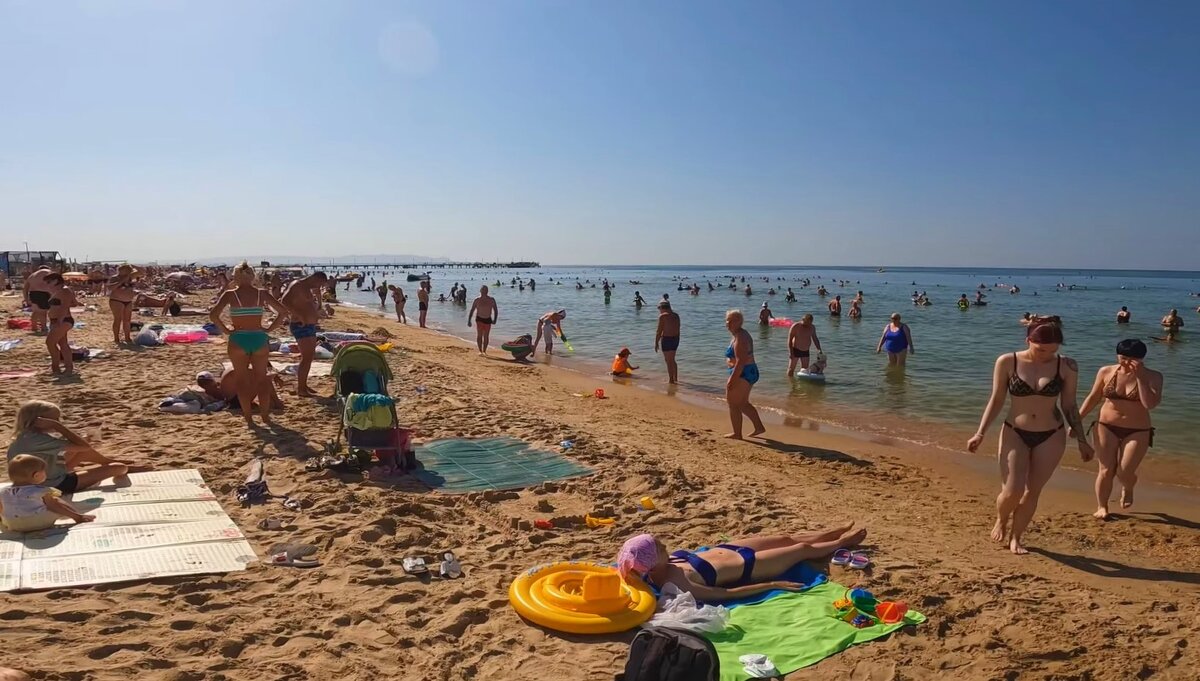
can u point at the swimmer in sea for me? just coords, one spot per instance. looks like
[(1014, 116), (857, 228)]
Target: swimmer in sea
[(1172, 322), (801, 337), (1123, 315), (638, 300), (486, 313), (790, 297), (764, 315), (666, 338), (855, 309), (743, 374), (835, 307)]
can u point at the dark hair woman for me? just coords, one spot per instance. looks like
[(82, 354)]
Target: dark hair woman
[(1034, 437), (1126, 392)]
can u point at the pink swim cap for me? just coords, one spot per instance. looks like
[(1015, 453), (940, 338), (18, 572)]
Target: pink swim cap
[(638, 554)]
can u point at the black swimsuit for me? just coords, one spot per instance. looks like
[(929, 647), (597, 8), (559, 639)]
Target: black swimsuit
[(1017, 387)]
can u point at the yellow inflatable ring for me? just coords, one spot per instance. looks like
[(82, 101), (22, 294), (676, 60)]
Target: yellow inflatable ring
[(581, 598)]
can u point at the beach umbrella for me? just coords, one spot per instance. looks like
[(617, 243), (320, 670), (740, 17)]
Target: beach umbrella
[(74, 276)]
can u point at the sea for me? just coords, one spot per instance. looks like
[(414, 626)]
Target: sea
[(935, 400)]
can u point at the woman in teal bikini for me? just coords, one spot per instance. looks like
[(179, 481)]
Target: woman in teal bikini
[(743, 374), (248, 339)]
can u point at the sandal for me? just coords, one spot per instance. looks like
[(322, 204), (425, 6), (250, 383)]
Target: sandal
[(859, 560), (415, 565), (293, 555), (450, 567), (840, 557)]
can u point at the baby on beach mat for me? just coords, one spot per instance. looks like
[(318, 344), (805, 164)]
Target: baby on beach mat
[(29, 505)]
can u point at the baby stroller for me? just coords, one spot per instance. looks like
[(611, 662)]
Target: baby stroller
[(361, 373)]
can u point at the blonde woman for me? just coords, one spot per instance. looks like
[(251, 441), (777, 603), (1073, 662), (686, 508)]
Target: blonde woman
[(248, 339), (39, 432), (120, 301), (743, 374)]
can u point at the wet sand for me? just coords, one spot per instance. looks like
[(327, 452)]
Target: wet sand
[(1093, 601)]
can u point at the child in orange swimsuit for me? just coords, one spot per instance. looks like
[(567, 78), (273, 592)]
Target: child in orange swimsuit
[(620, 365)]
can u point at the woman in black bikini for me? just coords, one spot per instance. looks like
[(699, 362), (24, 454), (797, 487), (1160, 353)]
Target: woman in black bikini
[(120, 301), (1034, 436), (60, 324), (1128, 391)]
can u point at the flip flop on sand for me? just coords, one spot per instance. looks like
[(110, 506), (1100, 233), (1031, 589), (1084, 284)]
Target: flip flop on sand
[(415, 565), (450, 567), (840, 557), (293, 555), (859, 560)]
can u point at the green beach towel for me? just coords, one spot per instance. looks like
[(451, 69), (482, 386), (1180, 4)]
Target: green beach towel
[(794, 630), (498, 463)]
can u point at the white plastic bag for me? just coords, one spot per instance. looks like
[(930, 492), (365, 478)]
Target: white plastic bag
[(679, 610)]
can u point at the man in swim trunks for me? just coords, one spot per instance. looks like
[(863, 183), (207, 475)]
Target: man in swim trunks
[(485, 312), (666, 338), (835, 306), (801, 337), (37, 297), (423, 301), (302, 298), (765, 315)]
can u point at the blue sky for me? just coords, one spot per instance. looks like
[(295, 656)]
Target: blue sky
[(624, 132)]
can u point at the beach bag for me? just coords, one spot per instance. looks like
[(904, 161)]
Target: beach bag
[(670, 655)]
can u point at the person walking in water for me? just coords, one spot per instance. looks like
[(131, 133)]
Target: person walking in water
[(485, 312), (638, 300), (399, 299), (1123, 316), (548, 324), (303, 302), (896, 340), (765, 315), (835, 307), (422, 302), (382, 291), (801, 337), (666, 338)]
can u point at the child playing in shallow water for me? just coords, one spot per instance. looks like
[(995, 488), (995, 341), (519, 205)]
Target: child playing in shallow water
[(29, 505), (621, 365)]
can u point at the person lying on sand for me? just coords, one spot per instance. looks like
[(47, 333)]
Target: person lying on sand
[(228, 390), (735, 570), (65, 455)]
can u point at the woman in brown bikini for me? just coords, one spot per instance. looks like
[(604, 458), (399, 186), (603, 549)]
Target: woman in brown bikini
[(1126, 391), (120, 301), (1034, 436)]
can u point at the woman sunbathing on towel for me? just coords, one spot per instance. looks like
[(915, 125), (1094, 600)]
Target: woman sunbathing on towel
[(734, 570)]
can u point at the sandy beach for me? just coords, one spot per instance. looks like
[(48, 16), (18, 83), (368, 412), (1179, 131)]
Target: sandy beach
[(1094, 601)]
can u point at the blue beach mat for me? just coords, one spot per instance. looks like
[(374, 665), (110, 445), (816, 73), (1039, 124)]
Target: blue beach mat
[(460, 465)]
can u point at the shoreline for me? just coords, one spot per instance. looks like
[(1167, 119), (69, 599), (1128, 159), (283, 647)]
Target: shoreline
[(1165, 470)]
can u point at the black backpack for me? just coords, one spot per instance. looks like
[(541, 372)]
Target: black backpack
[(670, 655)]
